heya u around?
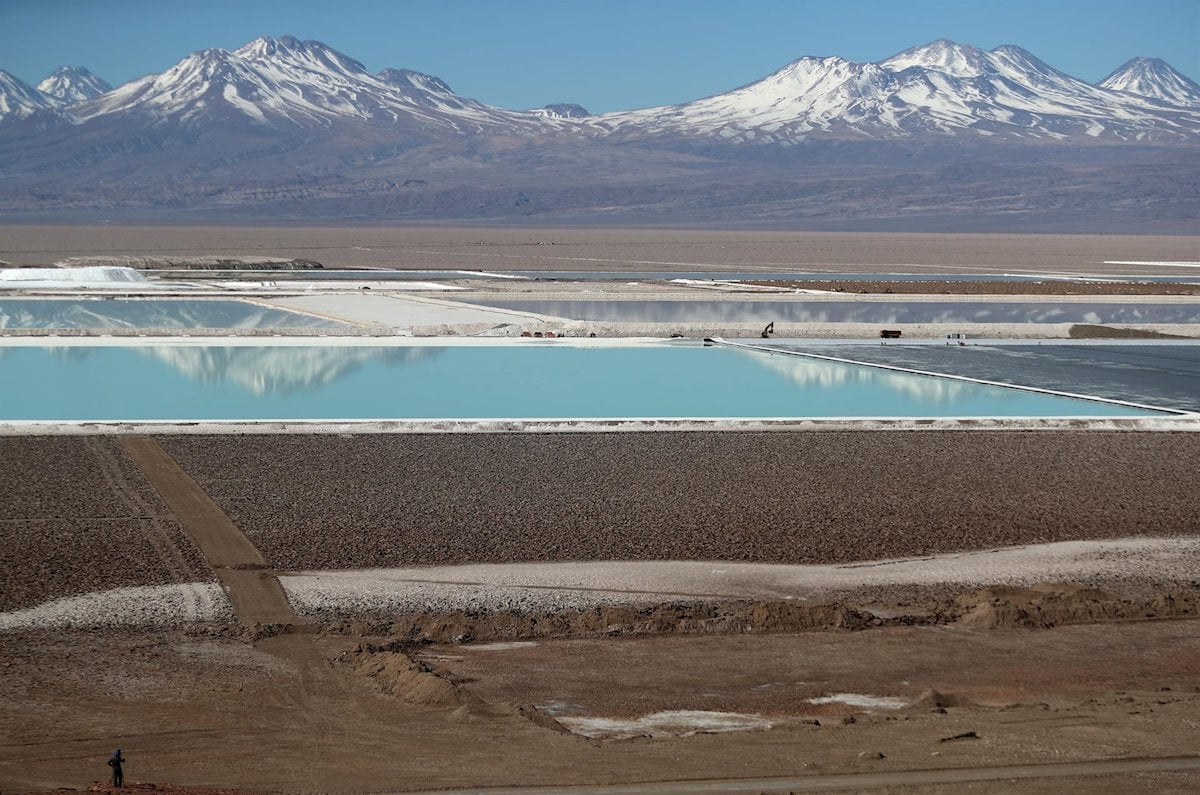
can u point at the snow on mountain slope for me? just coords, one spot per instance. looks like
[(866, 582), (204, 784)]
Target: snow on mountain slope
[(561, 110), (71, 84), (1154, 78), (287, 83), (943, 88), (19, 100), (943, 56)]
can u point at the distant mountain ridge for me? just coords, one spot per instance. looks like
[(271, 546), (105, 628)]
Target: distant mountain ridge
[(19, 100), (942, 88), (1154, 78), (294, 124), (72, 84), (938, 87)]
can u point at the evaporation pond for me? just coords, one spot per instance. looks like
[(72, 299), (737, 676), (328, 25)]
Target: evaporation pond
[(198, 381), (102, 313), (825, 311)]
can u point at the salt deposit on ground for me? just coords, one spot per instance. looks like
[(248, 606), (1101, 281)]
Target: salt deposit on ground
[(671, 723), (861, 700), (549, 586), (69, 277), (396, 311), (84, 281), (333, 285), (147, 605)]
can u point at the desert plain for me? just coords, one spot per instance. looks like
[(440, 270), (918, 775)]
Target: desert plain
[(660, 611)]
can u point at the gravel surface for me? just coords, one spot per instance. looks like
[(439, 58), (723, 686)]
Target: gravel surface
[(350, 502), (77, 516), (53, 477)]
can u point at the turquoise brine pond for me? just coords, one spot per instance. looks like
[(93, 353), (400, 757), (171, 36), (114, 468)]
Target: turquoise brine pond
[(486, 381)]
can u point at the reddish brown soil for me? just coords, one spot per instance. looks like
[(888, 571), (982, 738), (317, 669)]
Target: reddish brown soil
[(210, 712), (710, 673)]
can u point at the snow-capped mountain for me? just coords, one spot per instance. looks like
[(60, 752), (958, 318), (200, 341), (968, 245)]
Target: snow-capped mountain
[(561, 110), (941, 88), (1154, 78), (19, 100), (295, 129), (286, 84), (72, 84)]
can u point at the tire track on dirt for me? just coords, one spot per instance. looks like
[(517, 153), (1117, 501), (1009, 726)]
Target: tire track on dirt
[(253, 588), (158, 534)]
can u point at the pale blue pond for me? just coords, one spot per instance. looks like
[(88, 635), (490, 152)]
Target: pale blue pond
[(114, 313), (800, 310), (200, 381)]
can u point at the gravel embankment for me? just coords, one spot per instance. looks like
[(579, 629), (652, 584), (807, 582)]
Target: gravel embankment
[(348, 502), (77, 516)]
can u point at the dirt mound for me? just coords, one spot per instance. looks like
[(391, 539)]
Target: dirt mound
[(1055, 604), (192, 263), (403, 678), (692, 618), (1041, 606), (150, 788), (932, 699), (1084, 331)]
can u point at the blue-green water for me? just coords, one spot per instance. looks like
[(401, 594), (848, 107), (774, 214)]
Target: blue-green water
[(799, 310), (206, 382)]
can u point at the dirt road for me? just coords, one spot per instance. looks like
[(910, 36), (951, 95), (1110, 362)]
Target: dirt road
[(254, 590)]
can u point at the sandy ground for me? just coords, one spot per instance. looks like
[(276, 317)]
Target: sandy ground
[(611, 249), (353, 705), (205, 710)]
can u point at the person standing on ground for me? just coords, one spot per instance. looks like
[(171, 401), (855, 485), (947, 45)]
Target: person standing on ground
[(118, 775)]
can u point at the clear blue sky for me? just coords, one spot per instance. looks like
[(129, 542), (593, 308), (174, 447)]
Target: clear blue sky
[(603, 54)]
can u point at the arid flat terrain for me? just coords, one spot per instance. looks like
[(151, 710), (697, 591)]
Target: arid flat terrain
[(733, 611), (206, 709), (975, 684), (632, 250)]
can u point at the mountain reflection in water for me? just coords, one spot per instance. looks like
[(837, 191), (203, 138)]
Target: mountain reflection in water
[(824, 311), (267, 370), (818, 374), (282, 370)]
